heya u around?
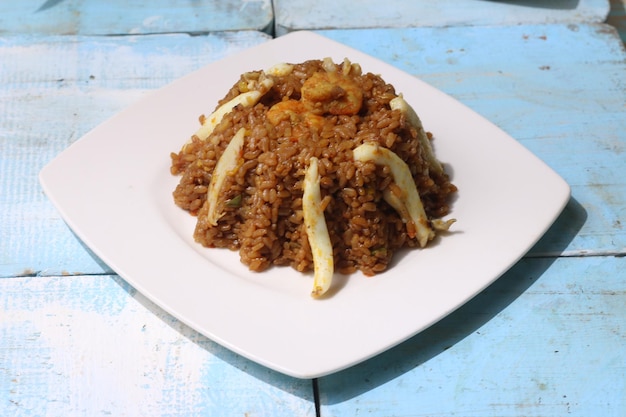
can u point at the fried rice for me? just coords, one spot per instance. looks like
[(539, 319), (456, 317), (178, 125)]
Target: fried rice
[(261, 201)]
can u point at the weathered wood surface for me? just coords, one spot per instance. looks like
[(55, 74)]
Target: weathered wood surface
[(93, 346), (293, 15), (114, 17), (546, 339)]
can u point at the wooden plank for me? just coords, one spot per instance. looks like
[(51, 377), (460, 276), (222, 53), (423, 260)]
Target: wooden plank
[(558, 89), (547, 339), (563, 81), (114, 17), (332, 14), (52, 91), (92, 346)]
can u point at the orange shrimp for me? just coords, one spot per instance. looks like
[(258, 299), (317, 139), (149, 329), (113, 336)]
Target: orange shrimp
[(294, 111), (332, 92)]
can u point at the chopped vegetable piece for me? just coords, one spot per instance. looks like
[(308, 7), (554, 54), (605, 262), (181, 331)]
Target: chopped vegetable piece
[(317, 231), (408, 205), (235, 201), (228, 162)]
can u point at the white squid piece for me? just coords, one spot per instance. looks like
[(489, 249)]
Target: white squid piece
[(226, 165), (408, 205), (317, 231), (247, 99), (399, 103)]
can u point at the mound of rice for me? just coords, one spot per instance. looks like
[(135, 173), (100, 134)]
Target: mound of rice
[(261, 201)]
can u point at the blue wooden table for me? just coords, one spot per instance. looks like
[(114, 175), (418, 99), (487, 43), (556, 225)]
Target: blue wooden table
[(547, 339)]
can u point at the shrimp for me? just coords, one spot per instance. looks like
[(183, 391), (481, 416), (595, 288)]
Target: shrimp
[(286, 110), (296, 112), (332, 92)]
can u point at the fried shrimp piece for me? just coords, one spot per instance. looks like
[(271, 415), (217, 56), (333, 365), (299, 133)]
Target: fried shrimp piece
[(325, 92), (291, 110), (296, 112), (332, 92)]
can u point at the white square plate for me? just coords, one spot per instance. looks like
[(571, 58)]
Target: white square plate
[(114, 189)]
